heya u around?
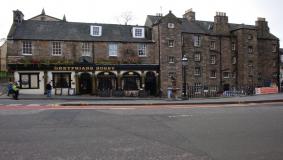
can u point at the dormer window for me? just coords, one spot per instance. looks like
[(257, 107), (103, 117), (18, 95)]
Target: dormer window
[(95, 30), (138, 32)]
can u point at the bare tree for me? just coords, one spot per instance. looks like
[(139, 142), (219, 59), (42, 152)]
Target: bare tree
[(125, 17)]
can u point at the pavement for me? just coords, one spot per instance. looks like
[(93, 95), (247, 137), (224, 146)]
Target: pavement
[(94, 100)]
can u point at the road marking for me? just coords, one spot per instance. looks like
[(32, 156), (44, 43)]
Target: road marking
[(13, 104), (182, 115), (33, 105), (120, 108)]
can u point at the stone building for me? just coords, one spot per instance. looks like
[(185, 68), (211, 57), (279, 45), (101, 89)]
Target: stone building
[(281, 69), (126, 60), (3, 56)]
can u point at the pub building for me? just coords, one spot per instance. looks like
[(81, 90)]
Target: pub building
[(132, 60)]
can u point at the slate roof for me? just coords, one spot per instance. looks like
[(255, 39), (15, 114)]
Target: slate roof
[(203, 27), (72, 31)]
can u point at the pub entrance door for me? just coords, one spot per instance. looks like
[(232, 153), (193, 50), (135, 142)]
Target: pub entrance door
[(85, 83)]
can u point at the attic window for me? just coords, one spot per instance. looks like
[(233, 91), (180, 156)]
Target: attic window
[(171, 25), (138, 32), (95, 30)]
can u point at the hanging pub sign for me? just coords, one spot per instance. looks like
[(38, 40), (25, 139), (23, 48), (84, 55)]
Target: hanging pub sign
[(96, 68)]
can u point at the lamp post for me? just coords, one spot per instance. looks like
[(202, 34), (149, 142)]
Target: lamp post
[(184, 65)]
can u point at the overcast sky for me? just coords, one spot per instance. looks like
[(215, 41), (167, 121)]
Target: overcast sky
[(108, 11)]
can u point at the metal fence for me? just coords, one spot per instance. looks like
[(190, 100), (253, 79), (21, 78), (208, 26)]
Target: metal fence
[(5, 77), (216, 91)]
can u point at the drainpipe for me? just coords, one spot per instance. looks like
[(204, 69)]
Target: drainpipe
[(159, 59), (278, 66), (220, 59)]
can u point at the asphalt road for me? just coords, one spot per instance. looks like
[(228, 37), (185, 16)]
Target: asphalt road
[(252, 132)]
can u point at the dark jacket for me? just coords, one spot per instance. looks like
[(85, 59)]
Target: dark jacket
[(48, 87)]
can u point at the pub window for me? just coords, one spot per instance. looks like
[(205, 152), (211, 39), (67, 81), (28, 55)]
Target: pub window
[(131, 81), (233, 46), (233, 75), (29, 80), (274, 48), (212, 74), (85, 49), (226, 74), (113, 49), (171, 59), (197, 87), (212, 45), (27, 48), (61, 80), (212, 59), (56, 48), (138, 32), (95, 30), (197, 40), (250, 37), (197, 71), (142, 50), (250, 69), (250, 50), (274, 63), (171, 43), (171, 25), (197, 57), (234, 60)]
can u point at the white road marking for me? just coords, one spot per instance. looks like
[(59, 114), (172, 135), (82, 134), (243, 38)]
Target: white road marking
[(182, 115)]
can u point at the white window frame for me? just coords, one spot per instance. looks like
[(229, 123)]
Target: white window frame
[(29, 80), (250, 36), (171, 25), (197, 40), (212, 74), (197, 57), (138, 32), (197, 71), (233, 46), (141, 50), (57, 48), (234, 60), (171, 43), (27, 48), (113, 49), (171, 59), (250, 49), (95, 30), (197, 88), (226, 76), (86, 49), (212, 59), (274, 48), (212, 45)]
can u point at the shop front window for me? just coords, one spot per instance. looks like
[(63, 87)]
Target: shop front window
[(29, 80), (62, 80), (131, 81)]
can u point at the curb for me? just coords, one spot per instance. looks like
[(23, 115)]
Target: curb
[(166, 104)]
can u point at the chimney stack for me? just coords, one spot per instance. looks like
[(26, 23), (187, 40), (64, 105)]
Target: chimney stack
[(221, 25), (190, 15), (18, 16), (262, 27)]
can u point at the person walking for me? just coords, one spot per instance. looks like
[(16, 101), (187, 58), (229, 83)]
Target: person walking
[(48, 89), (15, 88), (10, 89)]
